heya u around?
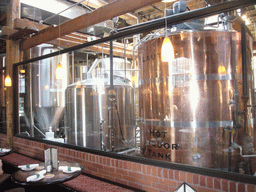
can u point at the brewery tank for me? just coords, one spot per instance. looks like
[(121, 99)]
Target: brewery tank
[(90, 105), (47, 92), (185, 103)]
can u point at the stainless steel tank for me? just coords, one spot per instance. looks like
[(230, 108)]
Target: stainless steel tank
[(185, 104), (47, 92), (88, 112)]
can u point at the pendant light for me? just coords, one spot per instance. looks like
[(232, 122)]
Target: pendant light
[(59, 72), (7, 81), (167, 52)]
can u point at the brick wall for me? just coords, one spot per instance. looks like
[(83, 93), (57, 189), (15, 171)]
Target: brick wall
[(144, 177)]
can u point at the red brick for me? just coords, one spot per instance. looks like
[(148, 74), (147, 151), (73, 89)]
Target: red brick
[(149, 189), (204, 189), (135, 175), (108, 161), (202, 181), (121, 181), (129, 166), (129, 178), (134, 185), (251, 188), (144, 182), (177, 175), (195, 187), (97, 165), (160, 186), (100, 159), (195, 179), (104, 172), (119, 163), (171, 174), (125, 164), (209, 182), (113, 162), (165, 174), (149, 169), (232, 186), (144, 169), (115, 175), (139, 167), (121, 171), (149, 178), (241, 187), (154, 171), (189, 178), (224, 184), (216, 183), (160, 172), (170, 188), (167, 182), (111, 169), (183, 176)]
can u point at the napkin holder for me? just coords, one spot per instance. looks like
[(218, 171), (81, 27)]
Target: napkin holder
[(51, 159)]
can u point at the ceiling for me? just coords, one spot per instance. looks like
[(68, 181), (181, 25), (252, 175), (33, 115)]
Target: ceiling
[(144, 14)]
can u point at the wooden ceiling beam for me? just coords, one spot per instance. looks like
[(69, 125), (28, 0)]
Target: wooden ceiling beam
[(7, 31), (67, 42), (25, 23), (104, 13)]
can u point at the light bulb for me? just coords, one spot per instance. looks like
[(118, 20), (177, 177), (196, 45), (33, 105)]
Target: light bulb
[(8, 81), (246, 20), (167, 52), (59, 72)]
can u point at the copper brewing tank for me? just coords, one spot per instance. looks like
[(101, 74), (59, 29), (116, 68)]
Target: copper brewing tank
[(185, 103)]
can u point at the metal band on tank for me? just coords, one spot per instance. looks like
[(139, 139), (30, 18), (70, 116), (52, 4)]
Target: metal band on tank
[(189, 77), (191, 124)]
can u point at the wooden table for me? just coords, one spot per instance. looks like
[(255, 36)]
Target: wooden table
[(20, 176)]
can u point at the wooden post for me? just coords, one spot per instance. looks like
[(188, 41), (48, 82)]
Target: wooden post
[(12, 56)]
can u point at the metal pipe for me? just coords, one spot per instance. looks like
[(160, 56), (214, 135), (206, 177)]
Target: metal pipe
[(152, 25), (229, 152), (244, 71), (111, 65), (241, 151), (244, 57), (73, 67)]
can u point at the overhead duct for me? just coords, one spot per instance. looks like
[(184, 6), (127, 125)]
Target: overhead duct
[(42, 12)]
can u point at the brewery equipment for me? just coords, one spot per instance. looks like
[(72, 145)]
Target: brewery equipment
[(186, 103), (92, 104)]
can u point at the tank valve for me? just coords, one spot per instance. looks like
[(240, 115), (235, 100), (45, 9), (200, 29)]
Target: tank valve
[(196, 157)]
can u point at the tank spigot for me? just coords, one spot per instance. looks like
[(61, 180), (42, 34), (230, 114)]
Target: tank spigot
[(196, 157), (232, 102)]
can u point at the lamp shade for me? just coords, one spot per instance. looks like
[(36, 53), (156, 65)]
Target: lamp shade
[(167, 52), (8, 81), (59, 72)]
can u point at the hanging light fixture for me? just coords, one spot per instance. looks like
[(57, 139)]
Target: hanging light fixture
[(167, 52), (7, 81), (59, 72)]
